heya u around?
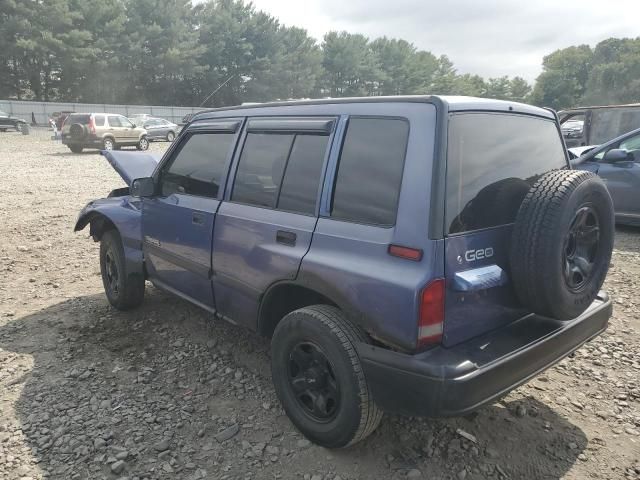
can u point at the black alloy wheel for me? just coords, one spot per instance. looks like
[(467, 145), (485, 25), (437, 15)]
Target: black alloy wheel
[(581, 247), (313, 382)]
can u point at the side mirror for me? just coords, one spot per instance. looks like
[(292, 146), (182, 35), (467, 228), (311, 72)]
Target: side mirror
[(617, 155), (142, 187)]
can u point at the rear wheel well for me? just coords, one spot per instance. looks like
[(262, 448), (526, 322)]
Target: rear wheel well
[(284, 299)]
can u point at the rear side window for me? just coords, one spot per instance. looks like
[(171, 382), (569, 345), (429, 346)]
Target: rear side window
[(492, 162), (198, 167), (99, 120), (78, 118), (280, 171), (114, 121), (369, 174)]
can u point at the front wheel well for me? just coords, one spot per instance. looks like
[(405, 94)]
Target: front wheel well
[(98, 225), (283, 299)]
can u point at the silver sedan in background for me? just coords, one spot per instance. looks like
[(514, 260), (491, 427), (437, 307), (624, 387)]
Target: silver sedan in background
[(160, 129)]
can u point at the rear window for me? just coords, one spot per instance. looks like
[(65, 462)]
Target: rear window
[(77, 118), (492, 161)]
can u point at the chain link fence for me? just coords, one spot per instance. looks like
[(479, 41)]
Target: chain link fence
[(42, 111)]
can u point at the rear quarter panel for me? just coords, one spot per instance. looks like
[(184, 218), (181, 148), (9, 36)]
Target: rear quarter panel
[(350, 263)]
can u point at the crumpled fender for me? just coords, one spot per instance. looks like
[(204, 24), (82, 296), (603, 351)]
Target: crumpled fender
[(125, 214)]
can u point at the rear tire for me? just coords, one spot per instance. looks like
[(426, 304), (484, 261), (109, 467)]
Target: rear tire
[(76, 148), (562, 243), (319, 379), (124, 290), (108, 144), (171, 137)]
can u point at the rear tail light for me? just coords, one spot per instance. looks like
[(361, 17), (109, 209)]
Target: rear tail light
[(431, 316), (92, 125)]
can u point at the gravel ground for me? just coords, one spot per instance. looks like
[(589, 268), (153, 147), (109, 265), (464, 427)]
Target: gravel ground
[(165, 392)]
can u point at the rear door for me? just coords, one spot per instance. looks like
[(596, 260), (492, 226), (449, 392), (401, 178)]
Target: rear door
[(177, 224), (264, 226), (492, 161), (117, 129)]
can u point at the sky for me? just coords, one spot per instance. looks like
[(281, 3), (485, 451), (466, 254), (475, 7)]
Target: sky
[(491, 38)]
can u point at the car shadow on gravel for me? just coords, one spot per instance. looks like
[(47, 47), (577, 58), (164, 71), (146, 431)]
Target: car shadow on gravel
[(164, 392)]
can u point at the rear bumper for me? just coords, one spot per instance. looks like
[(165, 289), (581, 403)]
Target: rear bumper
[(88, 141), (454, 381)]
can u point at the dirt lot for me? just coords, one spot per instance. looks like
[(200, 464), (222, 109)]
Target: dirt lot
[(165, 392)]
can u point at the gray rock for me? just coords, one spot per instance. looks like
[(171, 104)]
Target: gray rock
[(303, 443), (414, 473), (118, 467), (228, 433), (162, 445), (122, 455)]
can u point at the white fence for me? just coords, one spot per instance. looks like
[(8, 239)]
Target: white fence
[(44, 110)]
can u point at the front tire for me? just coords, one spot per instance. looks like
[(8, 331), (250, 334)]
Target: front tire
[(319, 379), (124, 291), (143, 144), (75, 148), (171, 137)]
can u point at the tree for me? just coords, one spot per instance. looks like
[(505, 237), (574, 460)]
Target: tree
[(471, 85), (351, 67), (564, 77), (444, 80), (519, 90), (162, 50)]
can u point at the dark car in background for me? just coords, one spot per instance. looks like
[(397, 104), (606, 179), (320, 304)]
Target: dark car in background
[(160, 129), (597, 125), (8, 121), (617, 162)]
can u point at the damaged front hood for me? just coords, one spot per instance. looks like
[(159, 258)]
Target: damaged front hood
[(132, 165)]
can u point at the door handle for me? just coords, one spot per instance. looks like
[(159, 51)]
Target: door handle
[(197, 218), (286, 238)]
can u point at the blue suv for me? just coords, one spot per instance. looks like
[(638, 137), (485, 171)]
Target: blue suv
[(418, 255)]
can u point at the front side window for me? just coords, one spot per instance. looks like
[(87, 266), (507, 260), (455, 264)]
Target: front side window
[(492, 162), (369, 174), (198, 166)]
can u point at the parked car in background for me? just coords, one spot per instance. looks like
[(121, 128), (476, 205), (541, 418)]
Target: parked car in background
[(8, 121), (104, 131), (419, 255), (617, 162), (597, 125), (59, 118), (140, 118), (160, 129), (187, 118)]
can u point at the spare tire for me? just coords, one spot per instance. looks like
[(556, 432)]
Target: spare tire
[(77, 131), (562, 242)]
